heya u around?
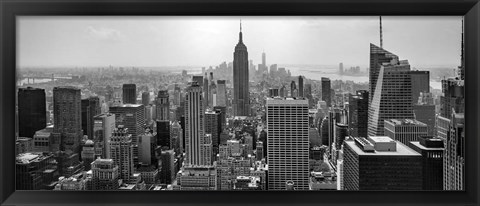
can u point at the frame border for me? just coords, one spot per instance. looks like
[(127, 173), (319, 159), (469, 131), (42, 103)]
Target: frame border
[(9, 9)]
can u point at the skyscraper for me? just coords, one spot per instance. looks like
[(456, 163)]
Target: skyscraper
[(90, 108), (67, 117), (300, 86), (32, 112), (431, 149), (103, 126), (221, 93), (288, 148), (241, 96), (358, 114), (194, 126), (163, 105), (264, 59), (105, 175), (420, 83), (206, 91), (131, 116), (293, 89), (163, 133), (129, 93), (121, 151), (378, 56), (405, 130), (326, 94), (392, 98), (213, 126), (177, 95), (380, 163), (145, 98)]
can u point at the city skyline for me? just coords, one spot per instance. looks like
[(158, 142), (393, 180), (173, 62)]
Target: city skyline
[(189, 41)]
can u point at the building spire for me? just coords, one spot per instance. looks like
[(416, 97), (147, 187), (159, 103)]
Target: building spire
[(240, 34), (381, 34), (461, 68)]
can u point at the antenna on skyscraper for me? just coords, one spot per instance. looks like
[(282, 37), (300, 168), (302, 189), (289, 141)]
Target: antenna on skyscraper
[(461, 69), (240, 25), (381, 35)]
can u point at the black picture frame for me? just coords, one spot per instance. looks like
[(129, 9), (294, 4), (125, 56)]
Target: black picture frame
[(9, 9)]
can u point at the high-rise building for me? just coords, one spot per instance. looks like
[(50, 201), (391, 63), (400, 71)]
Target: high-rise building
[(131, 116), (129, 93), (206, 91), (105, 175), (300, 86), (221, 93), (420, 83), (121, 151), (103, 126), (380, 163), (273, 92), (163, 133), (283, 91), (67, 117), (32, 111), (326, 91), (425, 113), (88, 154), (288, 148), (163, 105), (358, 114), (431, 149), (378, 56), (147, 146), (90, 108), (264, 59), (452, 132), (293, 89), (177, 95), (145, 98), (392, 98), (167, 172), (194, 126), (241, 95), (213, 126), (405, 130), (176, 134), (34, 171), (340, 68)]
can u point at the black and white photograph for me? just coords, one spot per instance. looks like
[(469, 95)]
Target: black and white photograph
[(258, 103)]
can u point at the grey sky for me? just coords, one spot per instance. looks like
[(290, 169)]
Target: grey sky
[(204, 41)]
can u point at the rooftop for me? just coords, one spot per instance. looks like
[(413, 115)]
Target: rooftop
[(26, 158), (401, 149), (405, 122)]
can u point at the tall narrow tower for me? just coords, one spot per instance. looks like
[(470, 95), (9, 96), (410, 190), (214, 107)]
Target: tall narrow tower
[(241, 98)]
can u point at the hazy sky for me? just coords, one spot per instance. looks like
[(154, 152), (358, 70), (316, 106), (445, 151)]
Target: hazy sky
[(205, 41)]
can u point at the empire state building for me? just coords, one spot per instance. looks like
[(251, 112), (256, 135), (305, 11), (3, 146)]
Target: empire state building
[(241, 98)]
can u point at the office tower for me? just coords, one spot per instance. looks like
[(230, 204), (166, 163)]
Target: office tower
[(334, 117), (213, 126), (121, 151), (194, 126), (378, 56), (405, 130), (90, 108), (163, 105), (176, 134), (424, 111), (105, 175), (300, 87), (177, 95), (147, 145), (358, 114), (326, 91), (67, 117), (340, 135), (431, 149), (129, 93), (264, 59), (212, 92), (340, 68), (289, 140), (452, 132), (88, 154), (259, 150), (392, 98), (167, 172), (241, 96), (283, 91), (324, 131), (273, 92), (221, 93), (206, 91), (380, 163), (131, 117), (452, 98), (420, 83), (32, 112), (34, 171), (102, 131), (163, 133), (145, 98), (293, 88)]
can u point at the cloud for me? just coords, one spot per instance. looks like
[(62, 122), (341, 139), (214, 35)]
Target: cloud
[(105, 34)]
